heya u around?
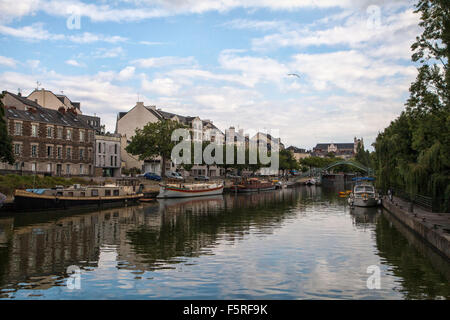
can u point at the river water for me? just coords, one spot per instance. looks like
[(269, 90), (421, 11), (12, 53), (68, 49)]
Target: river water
[(301, 243)]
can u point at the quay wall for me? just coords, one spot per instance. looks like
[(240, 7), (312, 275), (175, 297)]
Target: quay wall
[(432, 235)]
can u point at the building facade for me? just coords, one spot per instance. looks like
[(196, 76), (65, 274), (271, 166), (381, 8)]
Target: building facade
[(47, 141), (299, 153), (140, 115), (107, 155), (343, 150)]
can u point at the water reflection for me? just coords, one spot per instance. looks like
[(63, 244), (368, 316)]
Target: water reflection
[(292, 243)]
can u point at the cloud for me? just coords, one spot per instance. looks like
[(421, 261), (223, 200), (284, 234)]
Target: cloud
[(137, 10), (103, 53), (160, 62), (36, 32), (9, 62), (74, 63), (126, 73), (355, 31), (163, 86)]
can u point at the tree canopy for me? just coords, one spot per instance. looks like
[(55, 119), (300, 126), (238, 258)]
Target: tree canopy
[(413, 152), (153, 140)]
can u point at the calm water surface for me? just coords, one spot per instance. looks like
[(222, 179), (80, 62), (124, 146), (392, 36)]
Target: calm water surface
[(302, 243)]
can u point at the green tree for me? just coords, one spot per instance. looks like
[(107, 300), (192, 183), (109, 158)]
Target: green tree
[(154, 140), (413, 152), (6, 150)]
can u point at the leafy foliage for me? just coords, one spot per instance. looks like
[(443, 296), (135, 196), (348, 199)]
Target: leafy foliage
[(413, 152), (154, 140)]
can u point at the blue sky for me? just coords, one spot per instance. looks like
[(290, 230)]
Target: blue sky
[(223, 60)]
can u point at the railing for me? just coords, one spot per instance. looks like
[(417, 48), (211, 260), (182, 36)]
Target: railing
[(428, 203)]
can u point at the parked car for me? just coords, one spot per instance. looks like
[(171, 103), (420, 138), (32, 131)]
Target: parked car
[(174, 175), (152, 176), (202, 178)]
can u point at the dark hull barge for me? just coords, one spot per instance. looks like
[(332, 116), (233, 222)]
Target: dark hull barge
[(60, 198)]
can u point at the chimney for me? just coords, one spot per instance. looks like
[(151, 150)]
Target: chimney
[(62, 110)]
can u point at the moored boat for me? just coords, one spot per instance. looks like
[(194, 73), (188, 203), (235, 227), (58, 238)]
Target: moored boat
[(182, 190), (364, 194), (255, 185), (310, 182), (74, 196)]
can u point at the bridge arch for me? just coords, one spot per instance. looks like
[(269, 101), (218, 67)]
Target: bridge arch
[(350, 163)]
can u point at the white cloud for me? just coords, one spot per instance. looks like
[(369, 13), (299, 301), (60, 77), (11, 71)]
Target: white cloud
[(159, 62), (126, 73), (162, 86), (9, 62), (74, 63), (37, 32), (354, 32), (102, 53)]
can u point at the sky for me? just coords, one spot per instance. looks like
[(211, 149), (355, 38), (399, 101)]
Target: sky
[(230, 61)]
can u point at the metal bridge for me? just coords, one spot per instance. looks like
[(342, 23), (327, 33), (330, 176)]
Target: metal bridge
[(318, 172)]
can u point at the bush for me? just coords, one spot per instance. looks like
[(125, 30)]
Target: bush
[(11, 182)]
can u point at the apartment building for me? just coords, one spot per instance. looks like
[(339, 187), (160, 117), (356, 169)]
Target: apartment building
[(47, 141)]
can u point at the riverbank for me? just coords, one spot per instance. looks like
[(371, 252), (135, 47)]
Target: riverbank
[(432, 227), (11, 182)]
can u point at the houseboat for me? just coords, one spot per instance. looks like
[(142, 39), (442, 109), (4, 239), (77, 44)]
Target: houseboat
[(255, 185), (183, 190), (74, 196), (364, 194)]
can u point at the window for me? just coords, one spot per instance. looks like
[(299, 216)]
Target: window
[(69, 152), (81, 169), (99, 147), (60, 133), (115, 161), (107, 193), (89, 154), (69, 134), (34, 130), (59, 152), (33, 166), (111, 163), (115, 149), (18, 128), (17, 149), (49, 167), (49, 132), (116, 192), (81, 135), (34, 150), (94, 193), (68, 169), (81, 154), (50, 151), (17, 166)]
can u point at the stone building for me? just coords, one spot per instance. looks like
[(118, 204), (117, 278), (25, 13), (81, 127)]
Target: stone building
[(299, 153), (343, 150), (47, 141), (140, 115)]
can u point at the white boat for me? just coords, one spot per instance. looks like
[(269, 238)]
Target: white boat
[(310, 182), (364, 195), (182, 190)]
